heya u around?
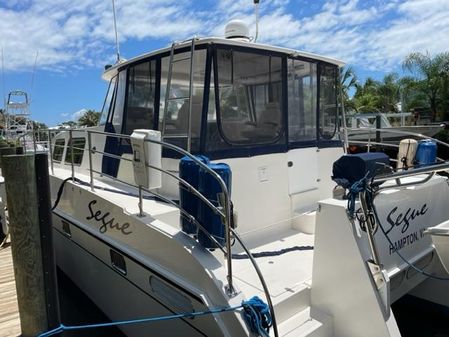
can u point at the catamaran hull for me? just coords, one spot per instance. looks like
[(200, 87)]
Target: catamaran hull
[(125, 284)]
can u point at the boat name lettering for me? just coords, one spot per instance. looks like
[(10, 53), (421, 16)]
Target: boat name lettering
[(403, 219), (107, 221)]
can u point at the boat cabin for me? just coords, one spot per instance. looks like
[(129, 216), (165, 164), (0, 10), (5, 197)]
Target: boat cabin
[(269, 113), (246, 99)]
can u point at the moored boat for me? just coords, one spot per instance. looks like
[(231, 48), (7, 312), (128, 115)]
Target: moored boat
[(208, 181)]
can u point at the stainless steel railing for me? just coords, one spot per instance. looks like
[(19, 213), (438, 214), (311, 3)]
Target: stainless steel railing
[(223, 210)]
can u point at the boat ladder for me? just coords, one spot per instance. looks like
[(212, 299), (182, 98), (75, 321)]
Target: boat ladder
[(168, 98)]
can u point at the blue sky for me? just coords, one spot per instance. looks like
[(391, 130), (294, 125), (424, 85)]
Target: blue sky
[(73, 40)]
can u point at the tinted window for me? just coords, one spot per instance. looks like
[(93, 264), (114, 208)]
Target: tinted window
[(302, 100), (250, 97), (58, 149), (328, 101), (117, 116), (140, 96), (176, 121), (107, 102), (78, 151)]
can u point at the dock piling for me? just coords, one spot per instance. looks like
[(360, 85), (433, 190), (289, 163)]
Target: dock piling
[(29, 242)]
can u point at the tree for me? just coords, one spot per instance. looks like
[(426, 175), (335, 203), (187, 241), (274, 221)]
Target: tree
[(378, 96), (430, 74), (388, 92), (347, 81), (365, 97), (90, 118), (40, 130), (70, 124)]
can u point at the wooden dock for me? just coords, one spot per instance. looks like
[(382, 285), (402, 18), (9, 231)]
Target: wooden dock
[(9, 311)]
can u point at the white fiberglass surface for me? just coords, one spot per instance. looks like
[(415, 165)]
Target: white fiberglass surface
[(284, 272)]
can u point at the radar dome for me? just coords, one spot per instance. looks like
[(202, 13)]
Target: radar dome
[(238, 30)]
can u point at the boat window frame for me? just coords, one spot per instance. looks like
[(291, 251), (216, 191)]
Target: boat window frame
[(279, 144), (113, 81), (78, 152), (320, 137), (58, 155), (312, 142), (319, 141), (156, 88)]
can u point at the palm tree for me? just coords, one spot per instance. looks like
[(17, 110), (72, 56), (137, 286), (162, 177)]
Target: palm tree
[(388, 92), (429, 73), (347, 80), (90, 118), (365, 97)]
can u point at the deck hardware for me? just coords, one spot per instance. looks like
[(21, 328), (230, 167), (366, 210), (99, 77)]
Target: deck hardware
[(66, 229), (118, 262)]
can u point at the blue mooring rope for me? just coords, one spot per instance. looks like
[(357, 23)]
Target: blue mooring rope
[(353, 192), (256, 313)]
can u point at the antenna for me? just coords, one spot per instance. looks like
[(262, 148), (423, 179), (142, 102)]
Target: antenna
[(256, 7), (116, 34), (3, 77), (34, 72)]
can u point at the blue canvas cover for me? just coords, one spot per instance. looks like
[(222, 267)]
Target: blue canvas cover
[(353, 167)]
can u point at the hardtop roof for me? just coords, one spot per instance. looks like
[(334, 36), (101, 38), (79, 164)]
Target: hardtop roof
[(112, 71)]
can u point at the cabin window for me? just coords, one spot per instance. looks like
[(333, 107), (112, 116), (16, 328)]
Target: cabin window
[(58, 149), (302, 100), (250, 97), (140, 96), (175, 123), (107, 102), (328, 101), (78, 151), (117, 117)]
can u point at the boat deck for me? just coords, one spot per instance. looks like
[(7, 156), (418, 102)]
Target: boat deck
[(287, 268), (9, 310), (284, 273)]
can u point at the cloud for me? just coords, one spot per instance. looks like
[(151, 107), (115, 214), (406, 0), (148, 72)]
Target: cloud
[(373, 34), (74, 116)]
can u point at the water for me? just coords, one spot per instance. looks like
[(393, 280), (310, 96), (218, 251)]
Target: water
[(420, 318), (77, 308)]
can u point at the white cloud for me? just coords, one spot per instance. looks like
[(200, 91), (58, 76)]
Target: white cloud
[(76, 115), (374, 34)]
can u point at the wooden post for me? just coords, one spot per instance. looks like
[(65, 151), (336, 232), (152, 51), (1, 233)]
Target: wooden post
[(46, 231), (21, 194), (6, 151)]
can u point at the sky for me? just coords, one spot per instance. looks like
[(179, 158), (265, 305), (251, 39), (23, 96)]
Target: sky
[(56, 50)]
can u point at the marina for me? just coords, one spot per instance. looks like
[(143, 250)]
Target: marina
[(230, 187)]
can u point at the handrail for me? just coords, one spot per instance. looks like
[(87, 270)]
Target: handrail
[(226, 214), (395, 131), (224, 189), (413, 172), (171, 202), (223, 210)]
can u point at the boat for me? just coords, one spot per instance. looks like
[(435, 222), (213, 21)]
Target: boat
[(364, 127), (208, 181), (18, 126)]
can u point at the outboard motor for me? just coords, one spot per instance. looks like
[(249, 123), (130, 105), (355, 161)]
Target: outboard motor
[(211, 189)]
